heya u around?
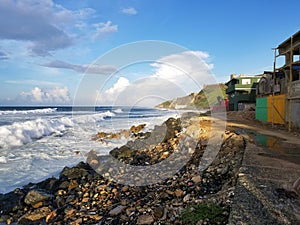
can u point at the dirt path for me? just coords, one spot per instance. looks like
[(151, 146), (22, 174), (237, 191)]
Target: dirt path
[(265, 192)]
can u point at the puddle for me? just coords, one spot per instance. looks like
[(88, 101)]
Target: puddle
[(274, 144), (269, 141)]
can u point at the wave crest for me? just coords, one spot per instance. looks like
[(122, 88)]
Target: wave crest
[(32, 111)]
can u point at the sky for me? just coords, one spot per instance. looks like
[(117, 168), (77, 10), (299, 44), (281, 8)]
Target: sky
[(135, 52)]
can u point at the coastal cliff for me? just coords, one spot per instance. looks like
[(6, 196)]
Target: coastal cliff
[(201, 100)]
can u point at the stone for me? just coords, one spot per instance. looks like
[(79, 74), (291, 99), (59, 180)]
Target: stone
[(137, 129), (186, 198), (145, 219), (11, 201), (125, 188), (35, 196), (79, 171), (34, 216), (196, 179), (73, 184), (169, 192), (158, 212), (78, 221), (37, 205), (117, 210), (178, 193), (51, 216)]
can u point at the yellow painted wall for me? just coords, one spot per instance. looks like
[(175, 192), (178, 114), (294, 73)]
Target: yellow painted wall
[(276, 113)]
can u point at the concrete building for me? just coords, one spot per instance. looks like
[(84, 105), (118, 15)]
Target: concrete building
[(290, 50), (278, 92), (241, 91)]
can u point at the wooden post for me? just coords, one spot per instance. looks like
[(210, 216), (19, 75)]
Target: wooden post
[(290, 85), (274, 75)]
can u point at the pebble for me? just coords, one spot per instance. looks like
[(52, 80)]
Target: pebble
[(81, 196), (145, 219), (178, 193), (116, 211)]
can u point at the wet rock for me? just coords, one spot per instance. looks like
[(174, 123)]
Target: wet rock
[(137, 129), (81, 170), (34, 216), (11, 201), (34, 197)]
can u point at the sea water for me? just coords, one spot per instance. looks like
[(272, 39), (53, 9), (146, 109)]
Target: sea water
[(38, 142)]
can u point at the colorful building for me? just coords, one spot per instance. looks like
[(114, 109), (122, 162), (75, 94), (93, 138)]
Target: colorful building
[(241, 91), (278, 92)]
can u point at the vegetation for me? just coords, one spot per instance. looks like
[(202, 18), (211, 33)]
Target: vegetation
[(205, 99), (209, 212)]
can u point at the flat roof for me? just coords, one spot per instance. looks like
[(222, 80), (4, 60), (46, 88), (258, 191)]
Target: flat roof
[(288, 41)]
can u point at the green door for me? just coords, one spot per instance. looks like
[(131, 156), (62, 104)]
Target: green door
[(261, 111)]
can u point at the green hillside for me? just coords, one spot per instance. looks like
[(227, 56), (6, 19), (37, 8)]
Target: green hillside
[(198, 100)]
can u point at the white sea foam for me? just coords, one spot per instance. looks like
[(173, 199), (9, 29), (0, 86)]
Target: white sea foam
[(3, 159), (92, 118), (119, 110), (24, 112), (20, 133)]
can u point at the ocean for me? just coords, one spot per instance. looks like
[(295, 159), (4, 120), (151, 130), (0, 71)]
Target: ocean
[(38, 142)]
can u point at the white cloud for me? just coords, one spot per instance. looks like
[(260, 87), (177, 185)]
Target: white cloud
[(175, 75), (58, 95), (103, 30), (45, 25), (110, 95), (33, 82), (129, 11)]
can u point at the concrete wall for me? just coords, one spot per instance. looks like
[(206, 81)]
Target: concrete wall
[(295, 115)]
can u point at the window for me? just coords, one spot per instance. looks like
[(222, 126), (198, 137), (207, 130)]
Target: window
[(246, 81)]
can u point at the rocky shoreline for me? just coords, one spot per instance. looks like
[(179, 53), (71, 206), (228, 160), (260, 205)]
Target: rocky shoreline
[(86, 193)]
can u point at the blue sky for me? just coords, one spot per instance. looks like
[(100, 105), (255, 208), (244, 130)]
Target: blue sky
[(46, 46)]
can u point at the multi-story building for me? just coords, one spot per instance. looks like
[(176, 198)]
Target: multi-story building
[(241, 91)]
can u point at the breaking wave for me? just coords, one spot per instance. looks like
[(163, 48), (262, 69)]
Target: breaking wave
[(25, 112), (20, 133)]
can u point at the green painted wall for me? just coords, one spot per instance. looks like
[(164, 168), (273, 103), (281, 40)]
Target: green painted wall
[(261, 111)]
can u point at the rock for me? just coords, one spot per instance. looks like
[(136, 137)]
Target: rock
[(36, 196), (116, 211), (196, 179), (158, 212), (34, 216), (11, 201), (145, 219), (72, 185), (125, 188), (137, 129), (78, 221), (101, 135), (186, 198), (81, 170), (169, 192), (51, 216), (178, 193)]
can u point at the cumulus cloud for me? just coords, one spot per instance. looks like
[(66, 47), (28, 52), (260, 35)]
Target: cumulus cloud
[(129, 11), (57, 95), (174, 75), (40, 23), (103, 30), (110, 95), (91, 69)]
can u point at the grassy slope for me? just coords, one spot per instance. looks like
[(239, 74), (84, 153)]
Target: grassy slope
[(207, 94)]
